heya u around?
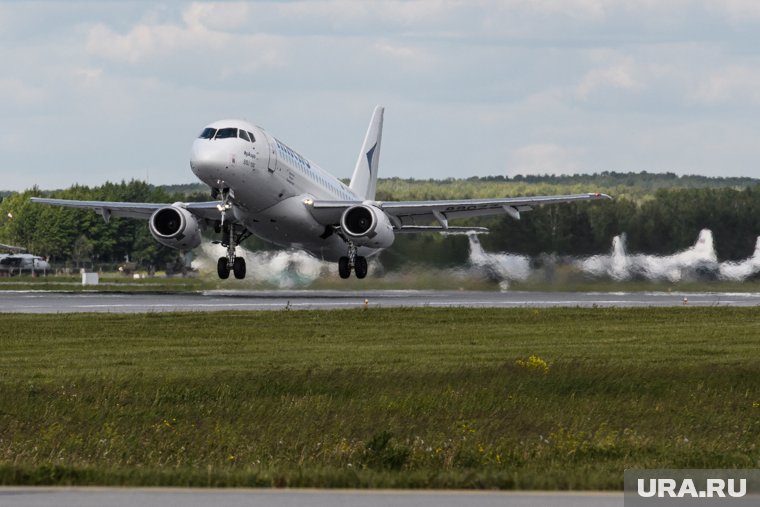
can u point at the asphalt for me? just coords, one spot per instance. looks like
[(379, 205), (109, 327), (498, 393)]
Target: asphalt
[(125, 497), (72, 302)]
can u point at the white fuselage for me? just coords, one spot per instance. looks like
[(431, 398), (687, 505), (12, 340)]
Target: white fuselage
[(269, 183)]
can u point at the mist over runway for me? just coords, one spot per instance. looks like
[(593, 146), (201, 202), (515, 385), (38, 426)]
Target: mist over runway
[(294, 269), (225, 300)]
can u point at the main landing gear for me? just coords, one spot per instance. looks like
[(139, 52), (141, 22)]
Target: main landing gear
[(230, 240), (352, 261)]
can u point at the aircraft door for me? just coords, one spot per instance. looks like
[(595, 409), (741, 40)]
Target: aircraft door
[(272, 165)]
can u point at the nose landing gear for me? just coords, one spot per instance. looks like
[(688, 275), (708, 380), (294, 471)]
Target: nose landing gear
[(230, 240), (230, 262)]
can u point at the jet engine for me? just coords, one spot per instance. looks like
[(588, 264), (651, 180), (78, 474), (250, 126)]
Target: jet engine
[(175, 227), (367, 226)]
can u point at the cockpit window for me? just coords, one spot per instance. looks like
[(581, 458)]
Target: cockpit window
[(226, 133), (242, 134), (253, 139), (208, 133)]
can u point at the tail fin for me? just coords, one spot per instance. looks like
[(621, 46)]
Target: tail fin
[(618, 246), (364, 180), (704, 245), (476, 249)]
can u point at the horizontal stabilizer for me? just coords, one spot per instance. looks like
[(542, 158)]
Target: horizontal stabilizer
[(11, 248)]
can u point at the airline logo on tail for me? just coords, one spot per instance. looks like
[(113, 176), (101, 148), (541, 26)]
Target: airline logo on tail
[(370, 156)]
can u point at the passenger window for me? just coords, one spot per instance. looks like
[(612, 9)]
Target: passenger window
[(226, 133), (242, 134)]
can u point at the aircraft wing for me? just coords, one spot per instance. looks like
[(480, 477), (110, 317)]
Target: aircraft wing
[(409, 215), (205, 210)]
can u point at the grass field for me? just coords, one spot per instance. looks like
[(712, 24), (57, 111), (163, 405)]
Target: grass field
[(378, 398)]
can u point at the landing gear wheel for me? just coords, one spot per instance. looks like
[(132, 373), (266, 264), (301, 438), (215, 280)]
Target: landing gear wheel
[(222, 269), (238, 267), (360, 267), (344, 269)]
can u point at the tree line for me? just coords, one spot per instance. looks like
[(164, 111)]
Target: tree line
[(668, 222), (81, 238), (660, 222)]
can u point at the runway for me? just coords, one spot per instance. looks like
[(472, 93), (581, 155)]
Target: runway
[(159, 497), (75, 302)]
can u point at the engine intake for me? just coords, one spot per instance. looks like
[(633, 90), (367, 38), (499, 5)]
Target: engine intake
[(175, 227), (367, 226)]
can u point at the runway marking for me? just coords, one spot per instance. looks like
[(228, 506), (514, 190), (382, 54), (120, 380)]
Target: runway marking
[(68, 302)]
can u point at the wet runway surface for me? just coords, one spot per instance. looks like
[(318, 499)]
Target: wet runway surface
[(123, 497), (68, 302)]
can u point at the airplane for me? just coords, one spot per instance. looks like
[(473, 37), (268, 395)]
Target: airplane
[(264, 187), (498, 266), (616, 265), (741, 270), (695, 260)]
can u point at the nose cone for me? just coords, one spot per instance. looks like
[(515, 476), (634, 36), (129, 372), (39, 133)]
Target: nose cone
[(207, 162)]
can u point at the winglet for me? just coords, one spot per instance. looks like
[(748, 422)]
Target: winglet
[(364, 179)]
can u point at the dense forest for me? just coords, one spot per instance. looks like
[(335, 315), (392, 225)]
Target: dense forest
[(636, 186), (660, 213), (80, 237)]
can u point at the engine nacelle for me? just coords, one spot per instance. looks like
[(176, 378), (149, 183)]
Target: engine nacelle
[(175, 227), (367, 226)]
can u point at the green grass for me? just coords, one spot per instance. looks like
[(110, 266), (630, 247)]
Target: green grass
[(109, 282), (378, 397)]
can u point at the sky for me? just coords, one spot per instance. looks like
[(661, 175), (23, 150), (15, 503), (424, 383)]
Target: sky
[(108, 91)]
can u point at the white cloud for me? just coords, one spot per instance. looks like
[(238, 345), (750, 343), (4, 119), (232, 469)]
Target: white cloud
[(547, 85), (404, 54), (543, 159), (145, 42), (217, 16), (737, 10), (206, 30), (87, 75), (584, 9), (619, 76), (418, 11), (395, 11), (21, 93), (734, 83)]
